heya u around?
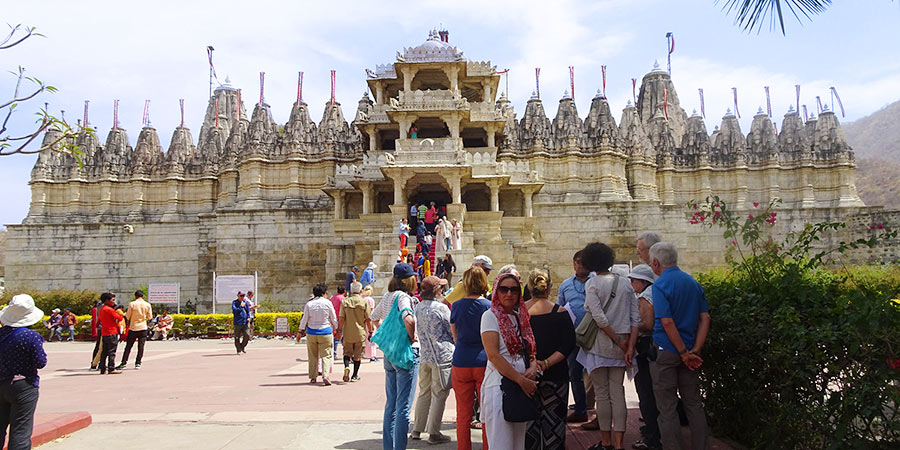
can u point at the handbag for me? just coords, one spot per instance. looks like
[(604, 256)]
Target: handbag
[(517, 405), (587, 329), (393, 340)]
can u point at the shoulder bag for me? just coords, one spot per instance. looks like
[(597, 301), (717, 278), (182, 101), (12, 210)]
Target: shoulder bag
[(517, 405), (586, 331), (393, 340)]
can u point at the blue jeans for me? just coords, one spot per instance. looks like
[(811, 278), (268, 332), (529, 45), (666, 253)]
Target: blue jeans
[(576, 378), (400, 388)]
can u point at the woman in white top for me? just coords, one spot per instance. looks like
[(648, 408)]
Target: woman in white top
[(439, 243), (446, 233), (456, 237), (611, 353), (503, 328)]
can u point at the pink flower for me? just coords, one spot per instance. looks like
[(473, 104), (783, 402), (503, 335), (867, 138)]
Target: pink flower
[(773, 214), (702, 218), (872, 227), (750, 216), (755, 204), (695, 206), (880, 227), (733, 242)]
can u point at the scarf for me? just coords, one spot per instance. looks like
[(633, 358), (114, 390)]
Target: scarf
[(507, 327)]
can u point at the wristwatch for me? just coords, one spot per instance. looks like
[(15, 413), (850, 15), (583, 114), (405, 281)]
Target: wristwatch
[(682, 352)]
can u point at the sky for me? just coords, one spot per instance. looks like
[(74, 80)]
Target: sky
[(102, 51)]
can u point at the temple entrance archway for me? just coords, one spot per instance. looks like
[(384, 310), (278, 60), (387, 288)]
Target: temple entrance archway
[(477, 197), (429, 192)]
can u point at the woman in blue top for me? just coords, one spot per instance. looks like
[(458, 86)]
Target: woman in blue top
[(469, 359), (22, 353)]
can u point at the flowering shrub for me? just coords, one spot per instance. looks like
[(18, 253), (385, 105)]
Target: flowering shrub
[(799, 356)]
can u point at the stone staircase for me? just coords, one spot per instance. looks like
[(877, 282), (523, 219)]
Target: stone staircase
[(389, 251)]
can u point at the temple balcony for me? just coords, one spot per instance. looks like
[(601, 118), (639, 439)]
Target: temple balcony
[(428, 101), (376, 115), (480, 69), (428, 152), (485, 112)]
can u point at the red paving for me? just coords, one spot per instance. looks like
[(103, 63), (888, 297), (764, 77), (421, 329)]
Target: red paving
[(207, 381), (48, 427)]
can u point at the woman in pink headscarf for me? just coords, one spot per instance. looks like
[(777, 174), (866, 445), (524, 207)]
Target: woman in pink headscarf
[(510, 347)]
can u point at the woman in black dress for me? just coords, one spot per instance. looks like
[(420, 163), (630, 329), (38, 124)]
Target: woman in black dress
[(554, 334)]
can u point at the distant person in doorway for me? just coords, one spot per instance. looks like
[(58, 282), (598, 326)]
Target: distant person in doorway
[(414, 213), (139, 312), (420, 212), (22, 353), (352, 275), (430, 218), (241, 313)]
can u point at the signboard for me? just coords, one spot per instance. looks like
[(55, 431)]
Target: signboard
[(227, 286), (281, 325), (163, 293)]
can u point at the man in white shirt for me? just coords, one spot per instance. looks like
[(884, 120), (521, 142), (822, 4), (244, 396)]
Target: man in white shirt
[(319, 324), (251, 303)]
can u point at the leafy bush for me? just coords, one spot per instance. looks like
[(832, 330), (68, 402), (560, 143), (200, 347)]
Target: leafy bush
[(80, 302), (264, 323), (799, 356)]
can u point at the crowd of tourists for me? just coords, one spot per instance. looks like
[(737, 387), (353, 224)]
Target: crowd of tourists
[(510, 353)]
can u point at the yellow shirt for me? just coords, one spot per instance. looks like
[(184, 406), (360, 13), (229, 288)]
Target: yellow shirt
[(139, 312), (457, 293)]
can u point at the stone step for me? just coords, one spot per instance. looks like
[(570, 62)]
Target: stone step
[(388, 241)]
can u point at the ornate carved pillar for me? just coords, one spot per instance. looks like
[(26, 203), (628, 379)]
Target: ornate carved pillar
[(494, 185), (487, 92), (405, 122), (453, 75), (373, 137), (408, 74), (379, 92), (455, 188), (491, 137), (366, 187), (452, 122), (529, 208), (339, 205)]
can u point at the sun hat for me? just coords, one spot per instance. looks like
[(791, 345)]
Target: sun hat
[(485, 262), (21, 312), (372, 265), (403, 271), (55, 310), (430, 282), (643, 272)]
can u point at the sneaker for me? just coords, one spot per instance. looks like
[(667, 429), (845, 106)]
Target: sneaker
[(93, 368), (244, 351), (326, 381), (115, 372), (574, 417), (355, 378), (438, 438), (415, 435), (346, 375), (137, 367), (120, 366)]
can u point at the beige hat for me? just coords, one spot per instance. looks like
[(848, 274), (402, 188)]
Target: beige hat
[(429, 283), (643, 272), (21, 312)]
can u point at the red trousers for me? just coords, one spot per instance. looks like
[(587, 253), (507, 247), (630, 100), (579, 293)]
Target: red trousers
[(403, 238), (466, 382)]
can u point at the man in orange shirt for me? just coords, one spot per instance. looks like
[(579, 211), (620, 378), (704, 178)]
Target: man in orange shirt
[(109, 332)]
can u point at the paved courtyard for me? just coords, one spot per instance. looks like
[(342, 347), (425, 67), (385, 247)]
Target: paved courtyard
[(201, 395)]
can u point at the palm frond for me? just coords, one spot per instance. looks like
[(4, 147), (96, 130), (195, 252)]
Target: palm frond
[(752, 14)]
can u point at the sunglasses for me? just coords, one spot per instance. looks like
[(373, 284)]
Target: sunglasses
[(507, 290)]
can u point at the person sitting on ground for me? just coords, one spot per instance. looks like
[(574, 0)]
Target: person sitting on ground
[(355, 325), (22, 353), (52, 324), (163, 326), (67, 322)]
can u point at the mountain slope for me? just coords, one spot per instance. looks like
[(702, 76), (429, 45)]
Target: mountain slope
[(876, 142)]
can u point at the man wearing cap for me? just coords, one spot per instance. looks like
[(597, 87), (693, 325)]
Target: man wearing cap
[(22, 353), (459, 291), (241, 313), (355, 326), (368, 275), (52, 324), (351, 277), (642, 278), (139, 312), (109, 332)]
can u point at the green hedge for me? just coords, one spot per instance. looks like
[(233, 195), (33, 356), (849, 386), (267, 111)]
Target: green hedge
[(80, 302), (264, 323)]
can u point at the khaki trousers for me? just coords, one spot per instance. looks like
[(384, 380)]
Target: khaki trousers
[(319, 346), (431, 400), (671, 378), (610, 394)]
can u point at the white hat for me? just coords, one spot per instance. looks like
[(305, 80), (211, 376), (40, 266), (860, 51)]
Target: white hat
[(21, 312), (55, 310), (372, 265), (484, 260), (643, 272)]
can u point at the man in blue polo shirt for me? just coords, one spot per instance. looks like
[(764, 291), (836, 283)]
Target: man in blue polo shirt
[(571, 295), (680, 329)]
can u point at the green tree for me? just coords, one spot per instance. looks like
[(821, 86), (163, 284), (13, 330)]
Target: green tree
[(27, 88), (752, 14)]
